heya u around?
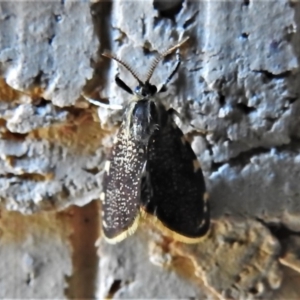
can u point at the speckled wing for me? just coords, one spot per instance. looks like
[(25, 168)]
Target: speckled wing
[(173, 189), (122, 187)]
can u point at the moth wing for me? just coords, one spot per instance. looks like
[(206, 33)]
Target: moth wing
[(122, 191), (173, 188)]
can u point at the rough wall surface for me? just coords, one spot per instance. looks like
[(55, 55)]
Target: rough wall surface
[(238, 96)]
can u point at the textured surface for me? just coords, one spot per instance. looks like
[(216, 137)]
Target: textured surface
[(130, 274), (244, 263), (238, 97), (45, 150), (35, 256), (34, 51)]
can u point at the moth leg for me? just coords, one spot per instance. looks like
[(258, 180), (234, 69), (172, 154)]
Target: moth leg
[(163, 88), (100, 104), (173, 112), (201, 131)]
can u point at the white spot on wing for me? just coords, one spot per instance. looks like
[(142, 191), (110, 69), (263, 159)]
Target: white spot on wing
[(196, 165), (102, 197), (205, 197), (202, 224), (107, 166)]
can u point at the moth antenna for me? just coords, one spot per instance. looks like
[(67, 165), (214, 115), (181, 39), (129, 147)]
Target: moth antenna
[(124, 64), (161, 56)]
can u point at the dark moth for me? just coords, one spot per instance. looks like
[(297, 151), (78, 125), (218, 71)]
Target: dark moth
[(152, 169)]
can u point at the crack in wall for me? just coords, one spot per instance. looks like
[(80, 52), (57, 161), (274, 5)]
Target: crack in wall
[(82, 283)]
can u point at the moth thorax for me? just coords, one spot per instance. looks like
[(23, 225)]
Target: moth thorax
[(144, 120)]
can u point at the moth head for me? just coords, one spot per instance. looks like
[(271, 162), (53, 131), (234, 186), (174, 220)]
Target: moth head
[(144, 89), (142, 113)]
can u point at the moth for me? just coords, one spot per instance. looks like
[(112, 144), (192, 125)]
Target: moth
[(152, 169)]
